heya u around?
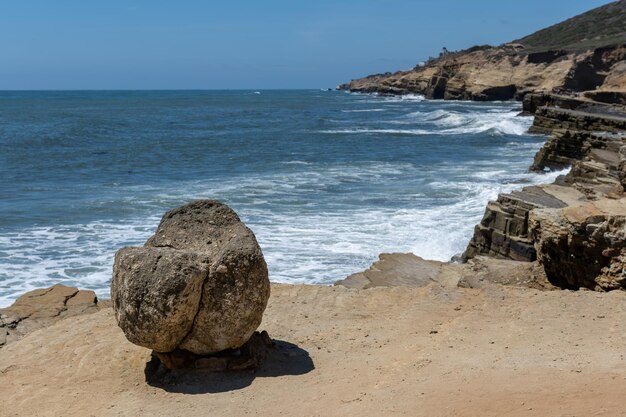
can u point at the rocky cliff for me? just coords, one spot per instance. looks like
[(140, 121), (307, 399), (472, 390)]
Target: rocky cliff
[(505, 73), (585, 53), (576, 227)]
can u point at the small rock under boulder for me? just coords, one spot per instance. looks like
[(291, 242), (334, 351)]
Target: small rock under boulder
[(200, 284)]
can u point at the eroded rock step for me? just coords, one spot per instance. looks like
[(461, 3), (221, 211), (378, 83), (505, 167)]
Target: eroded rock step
[(575, 227), (503, 231)]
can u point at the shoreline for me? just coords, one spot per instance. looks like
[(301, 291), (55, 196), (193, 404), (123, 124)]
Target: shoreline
[(587, 136), (429, 333), (52, 245)]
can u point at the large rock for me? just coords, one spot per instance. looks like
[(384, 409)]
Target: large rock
[(199, 284)]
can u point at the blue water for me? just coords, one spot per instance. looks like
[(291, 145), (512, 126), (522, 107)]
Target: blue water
[(326, 180)]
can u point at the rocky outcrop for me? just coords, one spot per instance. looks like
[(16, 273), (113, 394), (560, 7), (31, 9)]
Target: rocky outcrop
[(199, 284), (608, 97), (42, 307), (506, 73), (584, 53), (408, 270), (565, 147), (548, 119), (493, 74), (532, 102), (503, 231), (583, 246), (591, 69), (574, 228)]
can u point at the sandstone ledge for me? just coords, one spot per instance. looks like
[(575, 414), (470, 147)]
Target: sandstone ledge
[(409, 270)]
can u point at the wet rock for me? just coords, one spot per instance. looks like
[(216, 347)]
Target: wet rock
[(199, 284)]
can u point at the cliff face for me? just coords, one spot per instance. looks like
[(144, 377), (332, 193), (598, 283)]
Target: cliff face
[(584, 53)]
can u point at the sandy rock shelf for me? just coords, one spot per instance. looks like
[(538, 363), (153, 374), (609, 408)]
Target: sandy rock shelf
[(426, 351)]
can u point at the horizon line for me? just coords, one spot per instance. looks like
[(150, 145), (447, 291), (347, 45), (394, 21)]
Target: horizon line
[(162, 89)]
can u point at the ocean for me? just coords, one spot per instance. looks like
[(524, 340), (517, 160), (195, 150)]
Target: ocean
[(327, 180)]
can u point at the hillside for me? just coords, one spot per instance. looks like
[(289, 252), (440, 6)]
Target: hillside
[(597, 28), (586, 52)]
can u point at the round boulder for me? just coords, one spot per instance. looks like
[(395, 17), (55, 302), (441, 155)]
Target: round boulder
[(200, 283)]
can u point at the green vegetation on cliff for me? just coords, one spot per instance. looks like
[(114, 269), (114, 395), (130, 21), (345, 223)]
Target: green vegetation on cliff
[(596, 28)]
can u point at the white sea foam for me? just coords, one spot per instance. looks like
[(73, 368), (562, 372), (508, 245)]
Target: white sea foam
[(452, 124), (363, 110), (377, 98), (496, 121), (77, 255), (407, 97), (301, 243), (317, 221), (384, 131)]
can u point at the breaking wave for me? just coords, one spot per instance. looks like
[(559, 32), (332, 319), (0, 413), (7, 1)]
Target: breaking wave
[(326, 182)]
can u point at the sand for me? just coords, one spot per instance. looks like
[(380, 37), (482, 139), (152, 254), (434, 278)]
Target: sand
[(345, 352)]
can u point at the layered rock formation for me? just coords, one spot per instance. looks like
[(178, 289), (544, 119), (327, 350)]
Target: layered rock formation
[(199, 284), (505, 73), (583, 245), (575, 227), (572, 78), (493, 74)]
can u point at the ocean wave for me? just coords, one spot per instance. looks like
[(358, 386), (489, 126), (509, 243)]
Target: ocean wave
[(451, 124), (405, 97), (296, 163), (320, 207), (363, 110), (495, 122), (305, 241), (74, 255), (377, 98), (384, 131)]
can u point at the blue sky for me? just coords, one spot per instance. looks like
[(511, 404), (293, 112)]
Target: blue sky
[(114, 44)]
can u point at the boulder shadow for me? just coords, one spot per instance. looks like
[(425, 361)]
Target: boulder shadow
[(283, 358)]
